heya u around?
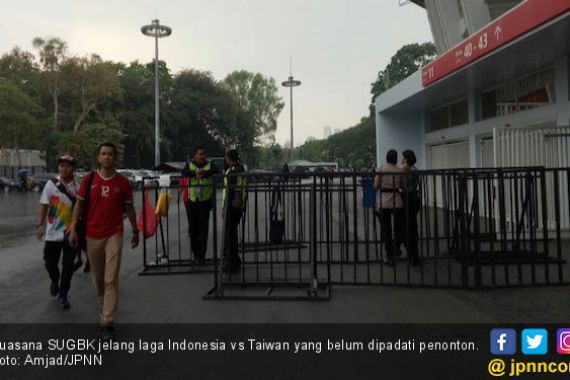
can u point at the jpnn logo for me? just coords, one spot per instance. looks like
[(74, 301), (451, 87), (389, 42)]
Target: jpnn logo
[(534, 341), (503, 342)]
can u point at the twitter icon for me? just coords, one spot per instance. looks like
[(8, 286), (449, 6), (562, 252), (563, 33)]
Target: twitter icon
[(534, 342)]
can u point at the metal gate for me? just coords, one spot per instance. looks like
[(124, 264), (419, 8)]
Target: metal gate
[(300, 235), (547, 147), (476, 228)]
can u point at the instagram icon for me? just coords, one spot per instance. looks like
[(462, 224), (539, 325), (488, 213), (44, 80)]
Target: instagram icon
[(563, 341)]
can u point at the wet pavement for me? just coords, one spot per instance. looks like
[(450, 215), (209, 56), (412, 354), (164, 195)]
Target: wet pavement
[(178, 298), (18, 216)]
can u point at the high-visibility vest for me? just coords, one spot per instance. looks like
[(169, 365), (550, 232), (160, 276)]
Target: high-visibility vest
[(200, 189), (240, 183)]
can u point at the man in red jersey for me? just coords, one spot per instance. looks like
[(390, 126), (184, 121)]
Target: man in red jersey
[(107, 198)]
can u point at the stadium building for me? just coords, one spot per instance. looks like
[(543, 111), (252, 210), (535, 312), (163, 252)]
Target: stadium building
[(496, 96)]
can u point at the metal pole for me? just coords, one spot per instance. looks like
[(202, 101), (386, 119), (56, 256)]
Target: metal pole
[(291, 82), (156, 106), (157, 31), (291, 112)]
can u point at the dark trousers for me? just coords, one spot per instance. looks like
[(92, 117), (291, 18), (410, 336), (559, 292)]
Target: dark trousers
[(410, 228), (52, 253), (391, 236), (198, 222), (231, 239)]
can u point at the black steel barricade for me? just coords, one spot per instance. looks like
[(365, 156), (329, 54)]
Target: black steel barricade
[(168, 250), (299, 235), (277, 242)]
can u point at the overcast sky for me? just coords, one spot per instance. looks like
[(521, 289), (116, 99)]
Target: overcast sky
[(338, 46)]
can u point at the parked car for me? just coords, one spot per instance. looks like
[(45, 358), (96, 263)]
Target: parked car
[(169, 179), (81, 173), (38, 181), (7, 185), (301, 172), (147, 174)]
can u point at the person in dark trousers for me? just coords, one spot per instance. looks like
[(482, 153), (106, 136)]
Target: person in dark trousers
[(200, 174), (387, 181), (23, 176), (56, 210), (411, 206), (234, 202)]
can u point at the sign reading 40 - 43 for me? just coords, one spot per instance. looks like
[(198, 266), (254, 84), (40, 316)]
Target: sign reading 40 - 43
[(525, 17)]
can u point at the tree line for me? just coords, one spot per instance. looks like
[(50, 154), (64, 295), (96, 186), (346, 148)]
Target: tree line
[(59, 102), (356, 146)]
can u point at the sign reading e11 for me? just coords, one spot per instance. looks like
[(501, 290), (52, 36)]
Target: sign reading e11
[(523, 18)]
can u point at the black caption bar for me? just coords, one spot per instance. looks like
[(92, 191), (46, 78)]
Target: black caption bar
[(252, 351)]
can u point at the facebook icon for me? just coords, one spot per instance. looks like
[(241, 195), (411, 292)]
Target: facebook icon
[(503, 342)]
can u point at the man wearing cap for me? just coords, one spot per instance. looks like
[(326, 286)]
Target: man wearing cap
[(56, 211)]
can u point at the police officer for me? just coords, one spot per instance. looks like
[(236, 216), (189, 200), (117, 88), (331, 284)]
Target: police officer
[(234, 203), (200, 173)]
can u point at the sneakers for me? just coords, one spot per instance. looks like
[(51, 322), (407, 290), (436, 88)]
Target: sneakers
[(107, 333), (163, 260), (54, 288), (63, 302)]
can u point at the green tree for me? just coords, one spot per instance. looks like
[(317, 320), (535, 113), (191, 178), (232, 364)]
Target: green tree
[(272, 157), (137, 82), (258, 107), (84, 143), (19, 127), (52, 53), (201, 113), (89, 82), (19, 67), (353, 146), (409, 59)]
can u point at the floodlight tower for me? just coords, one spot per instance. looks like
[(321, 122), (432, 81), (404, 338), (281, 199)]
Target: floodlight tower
[(290, 83), (157, 31)]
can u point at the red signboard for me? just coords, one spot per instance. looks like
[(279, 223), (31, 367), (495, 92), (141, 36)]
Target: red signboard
[(523, 18)]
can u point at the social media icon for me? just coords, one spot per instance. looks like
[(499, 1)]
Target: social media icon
[(503, 341), (563, 341), (534, 341)]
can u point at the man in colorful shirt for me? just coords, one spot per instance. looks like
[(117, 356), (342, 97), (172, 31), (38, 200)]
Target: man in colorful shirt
[(56, 207), (110, 195)]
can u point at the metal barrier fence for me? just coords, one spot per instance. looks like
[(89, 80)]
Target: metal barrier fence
[(300, 235), (169, 249), (277, 245)]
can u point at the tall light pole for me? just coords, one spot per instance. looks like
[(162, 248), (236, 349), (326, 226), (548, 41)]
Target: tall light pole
[(157, 31), (291, 82)]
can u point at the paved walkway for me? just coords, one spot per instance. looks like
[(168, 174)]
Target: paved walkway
[(178, 299)]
